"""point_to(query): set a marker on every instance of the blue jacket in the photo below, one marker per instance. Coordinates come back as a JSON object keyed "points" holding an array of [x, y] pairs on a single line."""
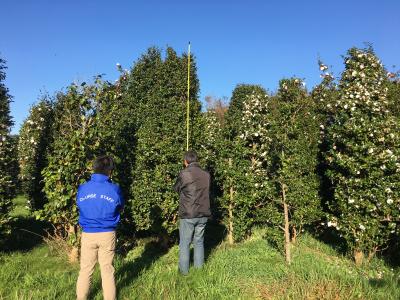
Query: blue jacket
{"points": [[99, 202]]}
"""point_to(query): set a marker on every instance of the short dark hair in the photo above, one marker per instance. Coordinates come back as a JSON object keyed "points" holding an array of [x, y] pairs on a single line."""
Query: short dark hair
{"points": [[190, 156], [103, 164]]}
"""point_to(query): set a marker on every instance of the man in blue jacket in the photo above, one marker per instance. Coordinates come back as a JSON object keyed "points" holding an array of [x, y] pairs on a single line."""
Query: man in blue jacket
{"points": [[100, 203]]}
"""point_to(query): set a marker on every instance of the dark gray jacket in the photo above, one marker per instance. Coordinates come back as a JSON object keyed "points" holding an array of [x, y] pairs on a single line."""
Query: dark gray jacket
{"points": [[193, 186]]}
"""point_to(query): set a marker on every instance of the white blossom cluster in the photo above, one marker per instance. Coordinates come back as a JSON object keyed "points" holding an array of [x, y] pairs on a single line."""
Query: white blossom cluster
{"points": [[30, 135], [254, 133], [364, 156], [212, 133], [362, 84]]}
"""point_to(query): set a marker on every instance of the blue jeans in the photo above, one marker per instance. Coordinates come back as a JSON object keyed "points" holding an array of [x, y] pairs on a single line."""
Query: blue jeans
{"points": [[186, 229]]}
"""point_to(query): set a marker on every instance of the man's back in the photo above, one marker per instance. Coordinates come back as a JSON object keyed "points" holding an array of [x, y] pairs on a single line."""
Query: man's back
{"points": [[193, 186], [99, 202]]}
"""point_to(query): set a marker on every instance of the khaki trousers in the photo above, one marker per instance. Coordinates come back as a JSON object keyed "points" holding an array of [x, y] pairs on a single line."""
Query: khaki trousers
{"points": [[95, 247]]}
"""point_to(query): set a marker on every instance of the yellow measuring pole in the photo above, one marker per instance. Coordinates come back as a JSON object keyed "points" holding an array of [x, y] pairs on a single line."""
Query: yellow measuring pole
{"points": [[188, 101]]}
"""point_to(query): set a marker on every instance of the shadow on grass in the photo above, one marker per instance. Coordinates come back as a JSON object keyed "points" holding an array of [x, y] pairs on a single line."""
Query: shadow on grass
{"points": [[130, 270], [26, 234], [215, 233], [380, 283]]}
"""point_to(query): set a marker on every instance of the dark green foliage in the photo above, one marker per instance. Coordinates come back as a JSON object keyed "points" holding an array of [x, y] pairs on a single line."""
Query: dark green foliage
{"points": [[294, 137], [34, 142], [8, 178], [160, 89], [76, 141], [240, 166], [393, 94]]}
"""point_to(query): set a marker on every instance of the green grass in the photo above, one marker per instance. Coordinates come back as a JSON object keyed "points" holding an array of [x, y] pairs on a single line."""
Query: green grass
{"points": [[20, 208], [250, 270]]}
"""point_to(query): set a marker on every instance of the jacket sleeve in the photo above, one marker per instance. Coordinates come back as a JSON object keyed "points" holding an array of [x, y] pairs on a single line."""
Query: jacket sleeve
{"points": [[78, 196], [121, 198], [179, 183]]}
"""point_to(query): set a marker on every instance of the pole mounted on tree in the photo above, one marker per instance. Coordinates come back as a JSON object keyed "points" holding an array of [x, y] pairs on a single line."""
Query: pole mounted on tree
{"points": [[188, 101]]}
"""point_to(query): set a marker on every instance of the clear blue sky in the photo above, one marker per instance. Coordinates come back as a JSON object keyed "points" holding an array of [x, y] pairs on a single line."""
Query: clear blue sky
{"points": [[49, 44]]}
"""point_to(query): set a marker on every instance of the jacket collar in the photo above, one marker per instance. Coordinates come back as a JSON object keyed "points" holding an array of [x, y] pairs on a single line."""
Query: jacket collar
{"points": [[193, 164], [99, 177]]}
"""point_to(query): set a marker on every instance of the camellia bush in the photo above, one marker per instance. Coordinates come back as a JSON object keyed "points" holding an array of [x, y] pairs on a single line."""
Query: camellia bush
{"points": [[240, 167], [76, 142], [211, 126], [325, 96], [293, 154], [160, 137], [7, 155], [34, 140], [363, 157]]}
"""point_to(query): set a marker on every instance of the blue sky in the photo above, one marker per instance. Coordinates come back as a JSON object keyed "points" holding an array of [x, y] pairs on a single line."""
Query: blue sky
{"points": [[49, 44]]}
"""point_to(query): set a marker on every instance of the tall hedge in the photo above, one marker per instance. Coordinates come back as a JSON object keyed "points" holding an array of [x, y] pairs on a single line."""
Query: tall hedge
{"points": [[363, 156], [240, 145], [76, 142], [7, 151], [35, 137], [294, 134], [161, 136]]}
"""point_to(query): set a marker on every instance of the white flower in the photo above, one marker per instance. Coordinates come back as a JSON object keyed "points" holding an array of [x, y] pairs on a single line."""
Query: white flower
{"points": [[388, 190], [370, 150], [323, 67], [389, 201], [351, 201], [331, 224], [389, 152], [354, 73], [362, 227]]}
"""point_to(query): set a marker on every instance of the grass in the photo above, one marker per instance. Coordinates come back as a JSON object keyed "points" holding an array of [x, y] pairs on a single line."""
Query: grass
{"points": [[20, 208], [250, 270]]}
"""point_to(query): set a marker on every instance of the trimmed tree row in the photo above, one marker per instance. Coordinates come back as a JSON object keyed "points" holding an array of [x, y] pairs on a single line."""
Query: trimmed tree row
{"points": [[289, 161]]}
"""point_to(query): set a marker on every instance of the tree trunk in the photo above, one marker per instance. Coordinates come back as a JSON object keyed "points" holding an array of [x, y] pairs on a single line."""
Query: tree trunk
{"points": [[287, 232], [74, 252], [372, 253], [294, 235], [358, 257], [230, 210], [230, 229]]}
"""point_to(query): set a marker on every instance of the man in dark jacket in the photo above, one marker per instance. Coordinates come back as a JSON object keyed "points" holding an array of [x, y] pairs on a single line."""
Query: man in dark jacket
{"points": [[193, 186], [99, 202]]}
